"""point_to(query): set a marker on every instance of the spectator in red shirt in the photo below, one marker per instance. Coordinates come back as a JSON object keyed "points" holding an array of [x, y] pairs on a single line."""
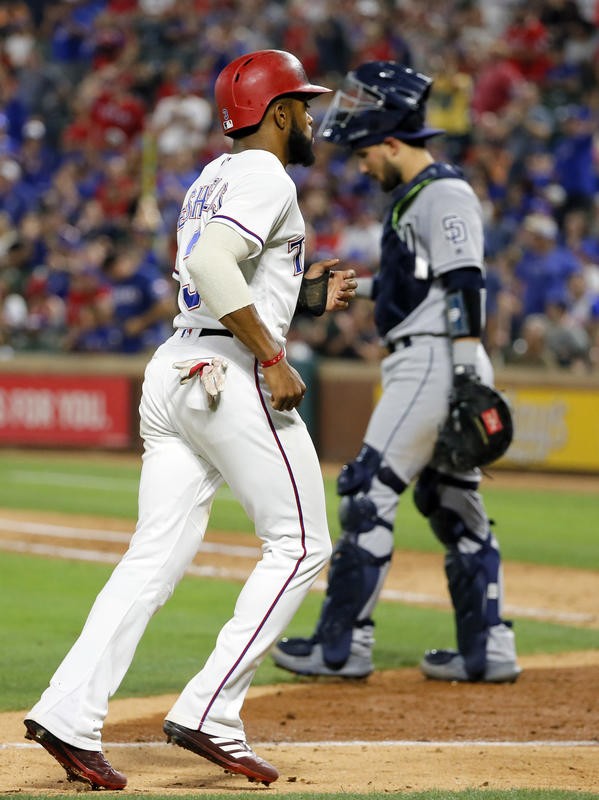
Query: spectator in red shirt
{"points": [[116, 107], [527, 42], [89, 308], [118, 191], [495, 78]]}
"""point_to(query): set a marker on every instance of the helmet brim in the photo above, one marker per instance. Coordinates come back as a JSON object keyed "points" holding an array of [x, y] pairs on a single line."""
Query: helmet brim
{"points": [[312, 90], [423, 133], [369, 139]]}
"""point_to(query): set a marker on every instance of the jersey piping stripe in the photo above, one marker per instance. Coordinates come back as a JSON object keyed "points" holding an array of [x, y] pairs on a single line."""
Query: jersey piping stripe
{"points": [[297, 564], [240, 226], [404, 203], [423, 381]]}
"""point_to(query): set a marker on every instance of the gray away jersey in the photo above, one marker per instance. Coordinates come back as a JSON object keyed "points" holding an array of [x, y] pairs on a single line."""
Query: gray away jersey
{"points": [[440, 231]]}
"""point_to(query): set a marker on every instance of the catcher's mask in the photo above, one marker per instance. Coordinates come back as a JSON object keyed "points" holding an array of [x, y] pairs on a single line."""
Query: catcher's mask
{"points": [[376, 100], [245, 88]]}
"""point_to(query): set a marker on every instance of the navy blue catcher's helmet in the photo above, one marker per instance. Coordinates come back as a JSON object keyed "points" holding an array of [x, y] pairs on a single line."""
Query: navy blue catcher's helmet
{"points": [[376, 100]]}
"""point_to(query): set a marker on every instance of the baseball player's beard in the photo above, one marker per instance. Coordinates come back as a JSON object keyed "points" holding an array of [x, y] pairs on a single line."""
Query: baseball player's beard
{"points": [[390, 178], [300, 147]]}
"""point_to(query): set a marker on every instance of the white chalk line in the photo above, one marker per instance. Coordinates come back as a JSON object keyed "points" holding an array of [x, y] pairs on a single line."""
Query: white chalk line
{"points": [[224, 573], [96, 535], [67, 479], [539, 743], [80, 481]]}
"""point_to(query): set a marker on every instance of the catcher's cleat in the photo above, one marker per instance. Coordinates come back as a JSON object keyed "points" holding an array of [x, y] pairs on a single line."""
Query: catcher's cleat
{"points": [[233, 755], [448, 665], [87, 766], [305, 657]]}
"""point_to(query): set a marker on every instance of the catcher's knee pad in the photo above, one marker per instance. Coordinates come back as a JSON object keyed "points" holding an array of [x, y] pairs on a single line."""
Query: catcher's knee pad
{"points": [[358, 474], [387, 476], [426, 491], [448, 524], [359, 514], [473, 582], [354, 576]]}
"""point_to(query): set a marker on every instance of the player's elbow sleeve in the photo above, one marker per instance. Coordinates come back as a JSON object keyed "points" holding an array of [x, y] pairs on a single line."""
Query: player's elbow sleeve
{"points": [[214, 267]]}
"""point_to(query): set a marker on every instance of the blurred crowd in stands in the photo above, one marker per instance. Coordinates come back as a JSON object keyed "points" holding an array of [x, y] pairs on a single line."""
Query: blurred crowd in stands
{"points": [[106, 117]]}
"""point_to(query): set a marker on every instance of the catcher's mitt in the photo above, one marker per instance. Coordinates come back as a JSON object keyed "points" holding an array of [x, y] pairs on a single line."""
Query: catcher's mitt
{"points": [[478, 428]]}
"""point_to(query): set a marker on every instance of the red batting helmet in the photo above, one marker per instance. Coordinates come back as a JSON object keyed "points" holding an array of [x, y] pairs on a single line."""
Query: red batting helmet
{"points": [[246, 86]]}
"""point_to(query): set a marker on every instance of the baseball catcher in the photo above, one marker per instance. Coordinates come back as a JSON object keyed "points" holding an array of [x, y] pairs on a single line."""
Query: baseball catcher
{"points": [[438, 419]]}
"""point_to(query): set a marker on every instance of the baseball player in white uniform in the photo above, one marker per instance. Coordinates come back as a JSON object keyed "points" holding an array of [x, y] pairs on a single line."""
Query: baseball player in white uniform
{"points": [[218, 405], [429, 310]]}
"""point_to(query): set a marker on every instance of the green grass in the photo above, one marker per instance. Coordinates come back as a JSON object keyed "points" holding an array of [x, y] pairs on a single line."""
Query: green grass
{"points": [[41, 619], [533, 526]]}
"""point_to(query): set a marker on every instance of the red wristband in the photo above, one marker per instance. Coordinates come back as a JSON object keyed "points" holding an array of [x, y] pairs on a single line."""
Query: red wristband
{"points": [[274, 360]]}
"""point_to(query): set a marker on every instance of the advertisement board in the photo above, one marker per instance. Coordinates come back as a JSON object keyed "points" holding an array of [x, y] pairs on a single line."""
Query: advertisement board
{"points": [[554, 428], [65, 410]]}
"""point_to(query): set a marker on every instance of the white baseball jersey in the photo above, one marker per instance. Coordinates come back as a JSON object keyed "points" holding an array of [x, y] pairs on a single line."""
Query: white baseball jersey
{"points": [[250, 192]]}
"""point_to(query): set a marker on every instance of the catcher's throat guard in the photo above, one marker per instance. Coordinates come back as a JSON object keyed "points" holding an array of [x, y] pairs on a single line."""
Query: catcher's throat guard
{"points": [[478, 430]]}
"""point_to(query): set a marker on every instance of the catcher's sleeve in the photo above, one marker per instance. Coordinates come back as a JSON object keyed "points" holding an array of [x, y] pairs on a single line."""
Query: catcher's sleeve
{"points": [[365, 288], [464, 301]]}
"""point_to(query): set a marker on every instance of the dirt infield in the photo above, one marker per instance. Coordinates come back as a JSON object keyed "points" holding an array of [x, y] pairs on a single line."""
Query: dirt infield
{"points": [[395, 731], [392, 732]]}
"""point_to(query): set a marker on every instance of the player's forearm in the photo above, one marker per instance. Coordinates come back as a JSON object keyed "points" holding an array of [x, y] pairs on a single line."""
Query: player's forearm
{"points": [[214, 267], [284, 383], [465, 315], [247, 326], [464, 354]]}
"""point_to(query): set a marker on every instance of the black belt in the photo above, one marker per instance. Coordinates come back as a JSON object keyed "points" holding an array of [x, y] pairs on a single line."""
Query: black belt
{"points": [[206, 332], [215, 332], [408, 341], [399, 344]]}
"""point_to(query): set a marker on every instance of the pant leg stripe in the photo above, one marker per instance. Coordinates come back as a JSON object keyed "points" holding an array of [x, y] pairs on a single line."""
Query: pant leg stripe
{"points": [[298, 562]]}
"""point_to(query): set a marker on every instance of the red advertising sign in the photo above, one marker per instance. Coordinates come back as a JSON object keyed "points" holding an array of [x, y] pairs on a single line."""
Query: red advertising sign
{"points": [[65, 410]]}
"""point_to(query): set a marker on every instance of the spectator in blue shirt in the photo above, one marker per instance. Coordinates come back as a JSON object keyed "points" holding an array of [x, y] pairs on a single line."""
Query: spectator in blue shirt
{"points": [[574, 158], [545, 266], [143, 300], [14, 198]]}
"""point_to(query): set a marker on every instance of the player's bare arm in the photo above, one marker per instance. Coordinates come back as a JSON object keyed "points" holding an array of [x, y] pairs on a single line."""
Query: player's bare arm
{"points": [[214, 266], [286, 387]]}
